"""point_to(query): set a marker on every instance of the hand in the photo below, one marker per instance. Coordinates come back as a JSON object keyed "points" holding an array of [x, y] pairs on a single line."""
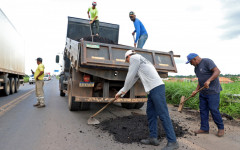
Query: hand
{"points": [[133, 33], [206, 84], [37, 78], [88, 16], [32, 71], [118, 95], [135, 45], [194, 93], [91, 22]]}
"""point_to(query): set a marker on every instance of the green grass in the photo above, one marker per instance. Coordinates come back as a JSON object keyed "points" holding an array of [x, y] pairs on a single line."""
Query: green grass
{"points": [[175, 90]]}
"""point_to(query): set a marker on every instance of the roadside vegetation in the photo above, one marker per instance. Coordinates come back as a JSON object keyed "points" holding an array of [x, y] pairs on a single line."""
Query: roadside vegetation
{"points": [[26, 78], [229, 97]]}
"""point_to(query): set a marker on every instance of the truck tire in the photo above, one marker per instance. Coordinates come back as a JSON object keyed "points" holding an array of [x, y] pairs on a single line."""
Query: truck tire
{"points": [[128, 105], [62, 93], [6, 90], [17, 84], [84, 106], [139, 105], [72, 105], [12, 85]]}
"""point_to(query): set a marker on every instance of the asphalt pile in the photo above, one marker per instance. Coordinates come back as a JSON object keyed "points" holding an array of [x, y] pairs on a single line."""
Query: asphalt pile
{"points": [[131, 129], [99, 39]]}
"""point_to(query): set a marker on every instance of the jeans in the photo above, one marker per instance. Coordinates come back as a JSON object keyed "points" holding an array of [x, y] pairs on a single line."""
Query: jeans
{"points": [[157, 107], [141, 41], [96, 23], [210, 103]]}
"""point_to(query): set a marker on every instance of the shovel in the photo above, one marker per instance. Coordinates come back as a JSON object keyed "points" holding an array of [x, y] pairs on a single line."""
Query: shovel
{"points": [[90, 28], [92, 120], [183, 100]]}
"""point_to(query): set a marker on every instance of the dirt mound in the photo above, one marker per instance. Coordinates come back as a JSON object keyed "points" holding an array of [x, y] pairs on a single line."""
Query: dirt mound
{"points": [[98, 39], [131, 129]]}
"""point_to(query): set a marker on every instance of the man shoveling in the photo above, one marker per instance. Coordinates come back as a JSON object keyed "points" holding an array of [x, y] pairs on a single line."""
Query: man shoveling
{"points": [[140, 67]]}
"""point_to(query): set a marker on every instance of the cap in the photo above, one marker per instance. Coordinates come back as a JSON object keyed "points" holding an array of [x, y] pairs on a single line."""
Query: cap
{"points": [[129, 52], [131, 13], [39, 59], [94, 3], [190, 57]]}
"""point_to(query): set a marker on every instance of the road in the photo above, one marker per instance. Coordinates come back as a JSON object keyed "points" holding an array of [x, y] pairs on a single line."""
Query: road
{"points": [[24, 127]]}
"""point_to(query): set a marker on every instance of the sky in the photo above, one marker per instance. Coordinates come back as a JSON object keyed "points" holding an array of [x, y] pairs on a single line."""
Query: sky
{"points": [[209, 28]]}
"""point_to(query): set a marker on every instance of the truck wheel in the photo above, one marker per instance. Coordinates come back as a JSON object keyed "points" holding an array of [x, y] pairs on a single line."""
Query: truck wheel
{"points": [[12, 85], [139, 105], [17, 85], [62, 93], [128, 105], [84, 106], [72, 105], [6, 87]]}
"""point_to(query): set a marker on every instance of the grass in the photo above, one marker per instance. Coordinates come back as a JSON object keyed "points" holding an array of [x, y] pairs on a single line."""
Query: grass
{"points": [[228, 104], [26, 79]]}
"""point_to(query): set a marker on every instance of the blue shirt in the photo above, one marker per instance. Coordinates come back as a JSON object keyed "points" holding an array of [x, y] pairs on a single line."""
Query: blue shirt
{"points": [[139, 29], [204, 71]]}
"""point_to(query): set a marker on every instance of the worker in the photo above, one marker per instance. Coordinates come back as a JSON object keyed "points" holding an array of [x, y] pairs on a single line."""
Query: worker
{"points": [[140, 67], [94, 18], [141, 32], [38, 76], [207, 73]]}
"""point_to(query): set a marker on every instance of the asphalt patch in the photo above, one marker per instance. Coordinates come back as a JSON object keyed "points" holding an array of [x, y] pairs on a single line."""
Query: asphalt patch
{"points": [[131, 129]]}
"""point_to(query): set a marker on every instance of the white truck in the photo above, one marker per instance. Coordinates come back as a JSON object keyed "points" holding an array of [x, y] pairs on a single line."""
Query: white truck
{"points": [[12, 57]]}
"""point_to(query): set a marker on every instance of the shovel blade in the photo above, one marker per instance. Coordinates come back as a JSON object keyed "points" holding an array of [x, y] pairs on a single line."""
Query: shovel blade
{"points": [[92, 120]]}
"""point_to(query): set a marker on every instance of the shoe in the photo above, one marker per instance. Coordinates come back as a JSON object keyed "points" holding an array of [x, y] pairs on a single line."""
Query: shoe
{"points": [[171, 146], [150, 141], [35, 105], [40, 106], [201, 132], [220, 133]]}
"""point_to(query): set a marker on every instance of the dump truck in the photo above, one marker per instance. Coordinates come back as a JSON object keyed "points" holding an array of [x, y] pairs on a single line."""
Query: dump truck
{"points": [[12, 60], [93, 72]]}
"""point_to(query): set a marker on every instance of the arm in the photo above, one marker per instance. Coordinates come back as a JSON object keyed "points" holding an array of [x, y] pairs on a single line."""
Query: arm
{"points": [[39, 74], [216, 73], [137, 30], [131, 78], [88, 13]]}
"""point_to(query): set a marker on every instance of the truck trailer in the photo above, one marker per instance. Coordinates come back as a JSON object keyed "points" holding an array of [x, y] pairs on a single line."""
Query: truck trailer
{"points": [[93, 72], [12, 60]]}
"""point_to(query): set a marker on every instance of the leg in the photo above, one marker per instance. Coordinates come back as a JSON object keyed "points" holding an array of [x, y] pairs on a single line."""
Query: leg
{"points": [[213, 103], [37, 85], [142, 41], [160, 104], [97, 26], [41, 93], [152, 118], [204, 112]]}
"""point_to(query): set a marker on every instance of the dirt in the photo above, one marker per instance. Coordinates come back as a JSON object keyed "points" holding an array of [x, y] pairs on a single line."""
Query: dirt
{"points": [[133, 128], [99, 39]]}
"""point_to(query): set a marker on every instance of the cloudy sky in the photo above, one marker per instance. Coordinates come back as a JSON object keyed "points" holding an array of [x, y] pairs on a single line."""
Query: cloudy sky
{"points": [[207, 27]]}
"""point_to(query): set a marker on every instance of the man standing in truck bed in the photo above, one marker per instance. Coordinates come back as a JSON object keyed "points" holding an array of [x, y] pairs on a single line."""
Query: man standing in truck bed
{"points": [[94, 18], [140, 67], [38, 75], [142, 34]]}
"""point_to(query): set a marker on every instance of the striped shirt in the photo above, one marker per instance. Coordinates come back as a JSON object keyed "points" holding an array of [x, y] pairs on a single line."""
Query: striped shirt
{"points": [[140, 67]]}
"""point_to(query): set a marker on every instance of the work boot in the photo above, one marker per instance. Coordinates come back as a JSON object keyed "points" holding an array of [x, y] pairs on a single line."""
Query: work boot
{"points": [[40, 106], [220, 132], [150, 141], [201, 132], [35, 105], [171, 146]]}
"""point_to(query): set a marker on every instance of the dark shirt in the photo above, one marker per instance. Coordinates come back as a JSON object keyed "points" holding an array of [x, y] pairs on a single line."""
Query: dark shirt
{"points": [[204, 71]]}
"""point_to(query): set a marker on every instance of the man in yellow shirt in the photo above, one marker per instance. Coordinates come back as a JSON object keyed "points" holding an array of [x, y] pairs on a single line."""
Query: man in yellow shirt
{"points": [[38, 75], [94, 17]]}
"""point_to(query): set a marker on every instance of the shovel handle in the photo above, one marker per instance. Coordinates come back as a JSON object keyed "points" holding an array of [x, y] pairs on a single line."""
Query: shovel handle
{"points": [[193, 95], [103, 108]]}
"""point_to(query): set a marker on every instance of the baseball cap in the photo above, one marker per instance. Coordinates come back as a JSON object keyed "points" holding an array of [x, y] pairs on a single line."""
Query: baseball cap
{"points": [[131, 13], [129, 52], [39, 59], [190, 57], [94, 3]]}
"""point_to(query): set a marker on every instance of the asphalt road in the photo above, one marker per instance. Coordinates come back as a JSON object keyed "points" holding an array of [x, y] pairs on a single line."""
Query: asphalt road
{"points": [[24, 127]]}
